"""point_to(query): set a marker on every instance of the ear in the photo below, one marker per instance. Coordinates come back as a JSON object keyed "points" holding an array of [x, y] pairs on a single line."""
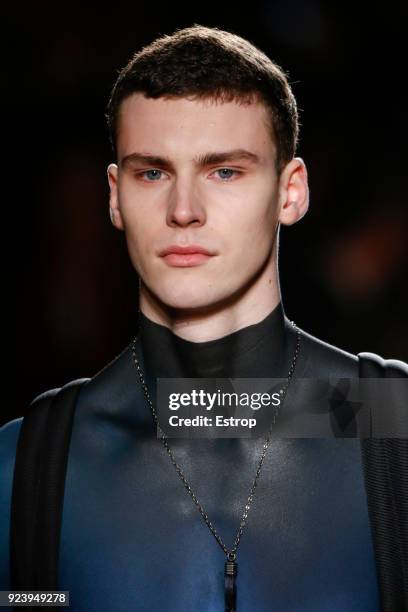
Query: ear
{"points": [[293, 192], [114, 210]]}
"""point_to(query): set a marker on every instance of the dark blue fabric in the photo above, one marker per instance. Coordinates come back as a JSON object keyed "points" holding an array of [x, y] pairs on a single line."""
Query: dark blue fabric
{"points": [[132, 539]]}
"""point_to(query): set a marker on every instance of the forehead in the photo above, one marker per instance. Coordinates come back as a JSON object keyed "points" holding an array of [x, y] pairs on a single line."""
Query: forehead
{"points": [[183, 123]]}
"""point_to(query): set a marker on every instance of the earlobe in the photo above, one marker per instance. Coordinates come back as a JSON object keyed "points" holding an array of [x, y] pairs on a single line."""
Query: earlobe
{"points": [[293, 211], [116, 218]]}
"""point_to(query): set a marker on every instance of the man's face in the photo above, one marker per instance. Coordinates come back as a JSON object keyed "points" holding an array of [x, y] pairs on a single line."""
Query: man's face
{"points": [[228, 206]]}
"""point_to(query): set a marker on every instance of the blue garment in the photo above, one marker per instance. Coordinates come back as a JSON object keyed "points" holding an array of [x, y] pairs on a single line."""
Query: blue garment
{"points": [[132, 538]]}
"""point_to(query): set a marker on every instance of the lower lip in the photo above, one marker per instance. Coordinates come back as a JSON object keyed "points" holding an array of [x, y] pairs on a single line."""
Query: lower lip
{"points": [[183, 261]]}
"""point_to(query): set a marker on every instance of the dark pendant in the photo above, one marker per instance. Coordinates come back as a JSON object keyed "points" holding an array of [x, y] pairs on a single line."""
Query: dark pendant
{"points": [[231, 569]]}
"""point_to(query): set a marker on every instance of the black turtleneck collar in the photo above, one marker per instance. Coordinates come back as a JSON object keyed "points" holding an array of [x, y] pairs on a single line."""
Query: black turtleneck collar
{"points": [[259, 350]]}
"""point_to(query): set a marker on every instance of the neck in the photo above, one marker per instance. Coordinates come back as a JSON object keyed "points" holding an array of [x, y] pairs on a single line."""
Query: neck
{"points": [[214, 321]]}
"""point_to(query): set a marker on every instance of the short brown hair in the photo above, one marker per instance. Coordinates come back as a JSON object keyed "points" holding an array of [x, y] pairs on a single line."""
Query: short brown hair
{"points": [[206, 62]]}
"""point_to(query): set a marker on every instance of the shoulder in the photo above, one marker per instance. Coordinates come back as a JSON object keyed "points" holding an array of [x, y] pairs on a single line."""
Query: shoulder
{"points": [[320, 357], [375, 365], [111, 388], [105, 388], [10, 432]]}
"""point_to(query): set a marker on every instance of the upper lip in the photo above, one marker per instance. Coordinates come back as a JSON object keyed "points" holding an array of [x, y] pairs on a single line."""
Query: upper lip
{"points": [[192, 248]]}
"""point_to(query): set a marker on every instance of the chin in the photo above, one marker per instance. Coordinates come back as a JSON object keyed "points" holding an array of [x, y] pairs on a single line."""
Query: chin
{"points": [[185, 300], [203, 293], [185, 296]]}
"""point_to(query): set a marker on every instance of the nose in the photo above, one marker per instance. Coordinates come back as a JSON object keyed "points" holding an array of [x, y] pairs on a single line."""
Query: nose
{"points": [[184, 207]]}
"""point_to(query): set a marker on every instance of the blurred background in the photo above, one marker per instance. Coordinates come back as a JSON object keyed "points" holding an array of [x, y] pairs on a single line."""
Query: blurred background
{"points": [[343, 267]]}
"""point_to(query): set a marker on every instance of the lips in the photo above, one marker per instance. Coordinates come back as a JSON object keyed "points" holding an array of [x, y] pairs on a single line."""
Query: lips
{"points": [[186, 256], [185, 250]]}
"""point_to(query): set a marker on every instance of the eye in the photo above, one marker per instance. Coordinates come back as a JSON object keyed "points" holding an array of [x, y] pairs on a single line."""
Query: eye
{"points": [[228, 170], [154, 170]]}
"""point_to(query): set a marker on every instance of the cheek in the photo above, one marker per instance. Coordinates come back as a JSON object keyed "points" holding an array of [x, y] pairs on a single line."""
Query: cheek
{"points": [[140, 238], [254, 231], [139, 223]]}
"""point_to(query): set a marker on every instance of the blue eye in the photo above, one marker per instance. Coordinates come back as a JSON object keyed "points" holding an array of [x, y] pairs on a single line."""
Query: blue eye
{"points": [[228, 170], [154, 170]]}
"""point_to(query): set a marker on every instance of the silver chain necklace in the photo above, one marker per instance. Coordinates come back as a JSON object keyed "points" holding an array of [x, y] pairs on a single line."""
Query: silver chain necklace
{"points": [[231, 567]]}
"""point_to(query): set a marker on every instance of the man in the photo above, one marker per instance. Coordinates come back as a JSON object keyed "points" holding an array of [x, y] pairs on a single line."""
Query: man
{"points": [[204, 128]]}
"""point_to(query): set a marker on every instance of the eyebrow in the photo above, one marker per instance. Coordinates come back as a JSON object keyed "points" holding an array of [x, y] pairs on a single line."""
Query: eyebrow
{"points": [[202, 160]]}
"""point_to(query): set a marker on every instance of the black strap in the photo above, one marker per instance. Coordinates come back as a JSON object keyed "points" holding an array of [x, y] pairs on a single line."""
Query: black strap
{"points": [[385, 466], [25, 492], [38, 488]]}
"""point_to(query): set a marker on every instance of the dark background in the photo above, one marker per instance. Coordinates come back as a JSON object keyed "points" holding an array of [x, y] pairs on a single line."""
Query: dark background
{"points": [[66, 273]]}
